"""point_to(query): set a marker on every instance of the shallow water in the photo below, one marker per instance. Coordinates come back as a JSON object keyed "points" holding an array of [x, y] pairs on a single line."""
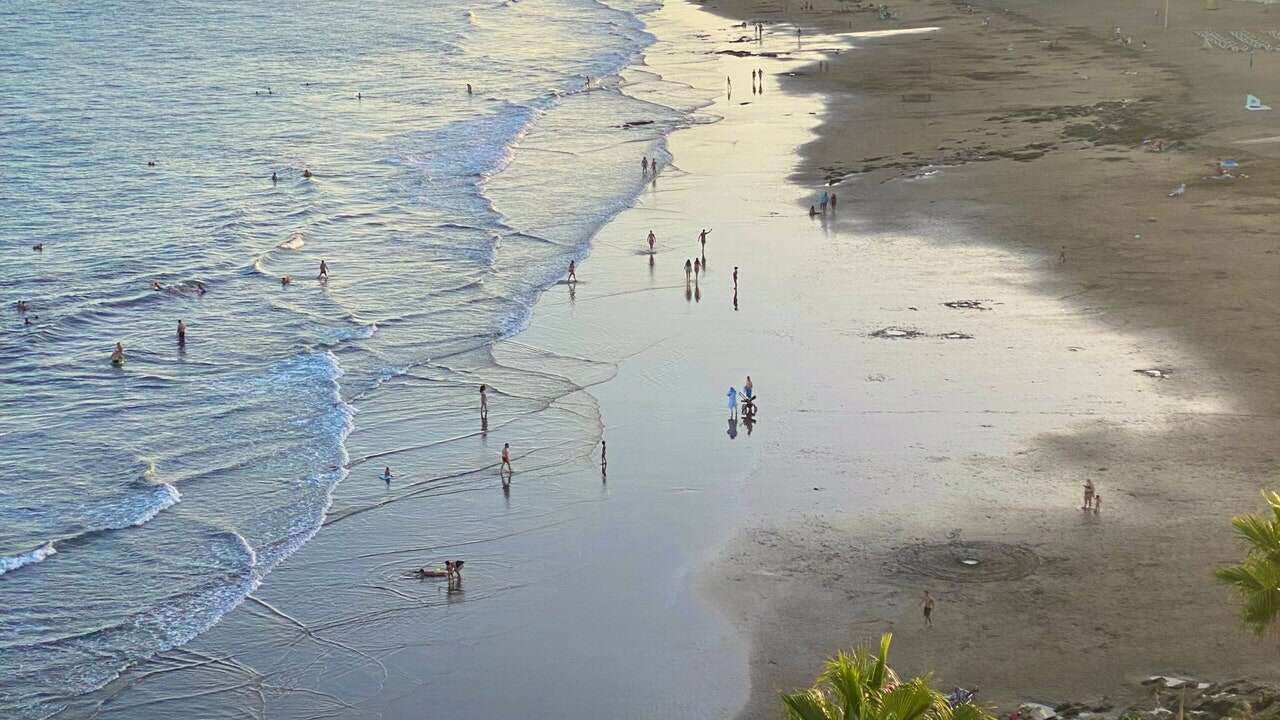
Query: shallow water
{"points": [[141, 503]]}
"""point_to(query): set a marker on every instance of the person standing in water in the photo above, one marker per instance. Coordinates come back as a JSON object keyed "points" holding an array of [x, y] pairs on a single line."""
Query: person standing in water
{"points": [[324, 271], [702, 238], [688, 271], [386, 474], [468, 88], [506, 460], [652, 239], [697, 267], [117, 355], [274, 178], [927, 608], [573, 274], [484, 402], [182, 333]]}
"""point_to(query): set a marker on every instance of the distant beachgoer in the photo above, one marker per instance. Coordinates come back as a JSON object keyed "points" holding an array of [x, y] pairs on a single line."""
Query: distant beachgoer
{"points": [[573, 274], [285, 280], [200, 288], [604, 457], [748, 389], [506, 458], [652, 239], [825, 199], [735, 284], [733, 401], [386, 474], [155, 285], [927, 606], [182, 332], [468, 88], [425, 573], [38, 247], [455, 579], [813, 212], [644, 165], [484, 402], [697, 266], [702, 237], [22, 306], [306, 173], [688, 270], [274, 178], [1097, 504], [117, 355], [359, 96], [324, 271], [1088, 495], [833, 202], [735, 300]]}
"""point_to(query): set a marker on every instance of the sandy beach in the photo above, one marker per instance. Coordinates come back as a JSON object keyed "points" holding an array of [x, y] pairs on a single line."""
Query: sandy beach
{"points": [[941, 362], [1032, 137]]}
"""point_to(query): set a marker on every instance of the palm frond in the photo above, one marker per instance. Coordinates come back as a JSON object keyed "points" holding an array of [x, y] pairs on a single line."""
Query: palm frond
{"points": [[809, 704]]}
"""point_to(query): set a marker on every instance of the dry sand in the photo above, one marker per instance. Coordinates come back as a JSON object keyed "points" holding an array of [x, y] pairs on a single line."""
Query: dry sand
{"points": [[996, 137]]}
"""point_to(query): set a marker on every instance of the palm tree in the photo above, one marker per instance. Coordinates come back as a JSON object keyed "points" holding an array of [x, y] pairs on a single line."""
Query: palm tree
{"points": [[1257, 579], [861, 686]]}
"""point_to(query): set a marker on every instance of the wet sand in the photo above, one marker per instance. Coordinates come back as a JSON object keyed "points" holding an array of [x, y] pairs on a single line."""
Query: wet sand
{"points": [[715, 566], [973, 139]]}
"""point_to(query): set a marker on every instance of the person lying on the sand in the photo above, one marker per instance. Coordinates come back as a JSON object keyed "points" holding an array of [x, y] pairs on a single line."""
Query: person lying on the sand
{"points": [[425, 573]]}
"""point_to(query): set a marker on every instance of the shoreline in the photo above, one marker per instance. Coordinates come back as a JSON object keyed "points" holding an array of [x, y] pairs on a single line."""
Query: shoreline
{"points": [[865, 448]]}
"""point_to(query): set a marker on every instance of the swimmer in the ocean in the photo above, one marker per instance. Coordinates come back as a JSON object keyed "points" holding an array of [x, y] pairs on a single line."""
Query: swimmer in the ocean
{"points": [[182, 332], [38, 247], [274, 179], [386, 474], [155, 285], [306, 173], [285, 280], [117, 355], [22, 306], [324, 271], [200, 288]]}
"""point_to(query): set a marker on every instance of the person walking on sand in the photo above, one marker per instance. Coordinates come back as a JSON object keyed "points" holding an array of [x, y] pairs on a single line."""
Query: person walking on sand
{"points": [[652, 239], [1097, 504], [697, 267], [573, 275], [324, 271], [688, 271], [748, 389], [484, 402], [1088, 494], [182, 332], [733, 402], [702, 238], [927, 607], [735, 281]]}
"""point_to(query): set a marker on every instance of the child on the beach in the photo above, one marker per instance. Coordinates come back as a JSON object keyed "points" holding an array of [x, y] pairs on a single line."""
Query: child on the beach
{"points": [[1097, 504]]}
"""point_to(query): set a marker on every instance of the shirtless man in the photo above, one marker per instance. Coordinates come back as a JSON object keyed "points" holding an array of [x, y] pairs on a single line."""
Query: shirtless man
{"points": [[927, 607], [652, 239], [324, 271], [484, 402], [573, 275], [506, 463]]}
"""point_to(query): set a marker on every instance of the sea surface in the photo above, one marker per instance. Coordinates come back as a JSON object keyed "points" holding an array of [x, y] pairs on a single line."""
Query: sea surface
{"points": [[139, 504]]}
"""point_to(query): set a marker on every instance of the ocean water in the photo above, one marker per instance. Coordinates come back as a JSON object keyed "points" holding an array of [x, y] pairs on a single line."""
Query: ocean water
{"points": [[139, 504]]}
